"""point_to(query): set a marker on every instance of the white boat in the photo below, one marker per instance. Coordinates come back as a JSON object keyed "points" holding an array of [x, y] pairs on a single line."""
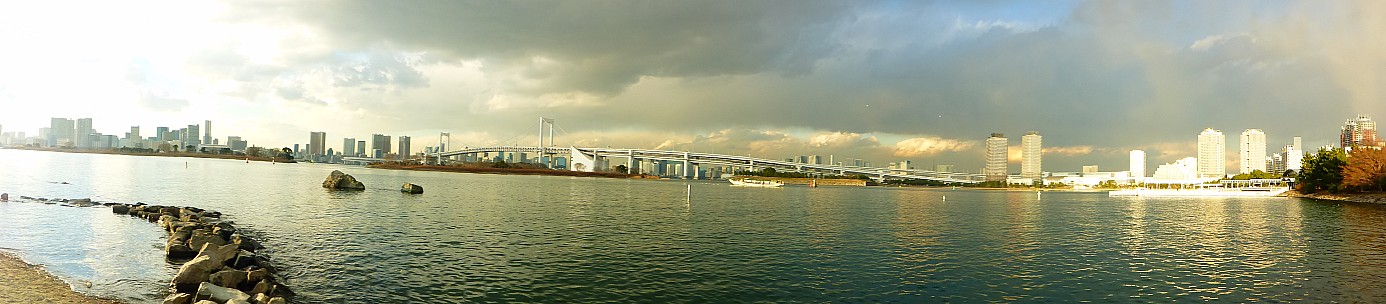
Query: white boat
{"points": [[746, 182]]}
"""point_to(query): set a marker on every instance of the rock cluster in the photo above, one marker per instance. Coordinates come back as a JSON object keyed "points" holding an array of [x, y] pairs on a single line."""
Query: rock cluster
{"points": [[411, 188], [342, 181], [223, 265]]}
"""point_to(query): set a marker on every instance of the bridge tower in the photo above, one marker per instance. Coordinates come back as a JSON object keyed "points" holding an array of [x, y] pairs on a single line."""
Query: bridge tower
{"points": [[543, 152], [444, 139]]}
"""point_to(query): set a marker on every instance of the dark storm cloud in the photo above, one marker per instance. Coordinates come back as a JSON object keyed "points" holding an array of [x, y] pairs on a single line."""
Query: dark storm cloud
{"points": [[1107, 76]]}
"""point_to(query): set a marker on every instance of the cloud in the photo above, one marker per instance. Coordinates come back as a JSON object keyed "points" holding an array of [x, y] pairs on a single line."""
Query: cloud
{"points": [[928, 146], [162, 102]]}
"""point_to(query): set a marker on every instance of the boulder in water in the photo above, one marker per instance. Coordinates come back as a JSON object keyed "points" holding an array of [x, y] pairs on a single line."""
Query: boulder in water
{"points": [[120, 209], [178, 298], [228, 278], [221, 294], [195, 272], [411, 189], [342, 181]]}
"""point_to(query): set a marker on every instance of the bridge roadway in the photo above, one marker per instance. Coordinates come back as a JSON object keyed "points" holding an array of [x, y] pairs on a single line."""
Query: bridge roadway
{"points": [[695, 158]]}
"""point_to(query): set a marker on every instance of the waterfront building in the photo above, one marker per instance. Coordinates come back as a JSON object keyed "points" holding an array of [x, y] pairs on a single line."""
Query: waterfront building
{"points": [[1030, 156], [1212, 154], [815, 159], [83, 136], [1183, 171], [943, 168], [361, 148], [1090, 169], [1252, 151], [236, 143], [348, 146], [997, 154], [317, 143], [380, 142], [1294, 158], [191, 137], [404, 149], [1357, 132], [207, 132], [161, 134], [1138, 164], [60, 130]]}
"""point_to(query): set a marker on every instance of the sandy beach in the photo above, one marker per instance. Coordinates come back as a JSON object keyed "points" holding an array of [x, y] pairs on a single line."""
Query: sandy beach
{"points": [[24, 283]]}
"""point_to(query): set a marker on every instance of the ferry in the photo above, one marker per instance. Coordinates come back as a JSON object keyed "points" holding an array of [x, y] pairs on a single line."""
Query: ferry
{"points": [[745, 182]]}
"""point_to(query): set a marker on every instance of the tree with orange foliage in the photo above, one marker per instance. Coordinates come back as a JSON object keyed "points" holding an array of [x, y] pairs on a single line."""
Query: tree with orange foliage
{"points": [[1365, 169]]}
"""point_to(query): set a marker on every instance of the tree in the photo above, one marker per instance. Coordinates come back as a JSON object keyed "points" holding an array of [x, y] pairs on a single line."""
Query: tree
{"points": [[286, 153], [165, 147], [1365, 170], [252, 151], [1322, 171], [622, 169]]}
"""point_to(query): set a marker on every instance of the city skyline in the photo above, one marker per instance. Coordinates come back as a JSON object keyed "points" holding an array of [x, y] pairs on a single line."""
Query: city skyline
{"points": [[881, 81]]}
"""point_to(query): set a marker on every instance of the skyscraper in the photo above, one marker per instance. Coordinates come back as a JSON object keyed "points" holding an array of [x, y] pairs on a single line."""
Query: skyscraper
{"points": [[995, 169], [1360, 131], [404, 150], [1138, 164], [348, 146], [60, 132], [162, 134], [1253, 151], [380, 142], [1030, 155], [207, 132], [83, 137], [191, 138], [317, 143], [1212, 154], [361, 148]]}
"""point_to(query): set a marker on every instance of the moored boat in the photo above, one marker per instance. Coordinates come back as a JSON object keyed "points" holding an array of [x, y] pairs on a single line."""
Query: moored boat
{"points": [[746, 182]]}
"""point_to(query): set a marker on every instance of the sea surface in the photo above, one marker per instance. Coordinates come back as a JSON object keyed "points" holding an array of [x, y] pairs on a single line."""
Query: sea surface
{"points": [[510, 238]]}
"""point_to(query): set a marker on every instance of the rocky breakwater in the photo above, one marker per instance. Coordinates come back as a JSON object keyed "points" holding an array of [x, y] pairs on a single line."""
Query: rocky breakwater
{"points": [[220, 264]]}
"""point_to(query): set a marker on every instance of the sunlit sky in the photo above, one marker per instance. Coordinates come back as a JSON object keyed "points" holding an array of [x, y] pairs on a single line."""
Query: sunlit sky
{"points": [[884, 81]]}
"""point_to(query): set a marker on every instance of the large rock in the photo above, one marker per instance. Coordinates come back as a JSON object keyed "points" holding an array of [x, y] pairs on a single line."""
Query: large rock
{"points": [[195, 272], [219, 253], [204, 236], [245, 242], [276, 300], [206, 302], [120, 209], [177, 249], [228, 278], [179, 298], [342, 181], [411, 188], [220, 294]]}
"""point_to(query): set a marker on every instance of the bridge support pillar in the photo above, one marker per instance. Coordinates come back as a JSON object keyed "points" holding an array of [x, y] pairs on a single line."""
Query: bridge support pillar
{"points": [[685, 165], [630, 162]]}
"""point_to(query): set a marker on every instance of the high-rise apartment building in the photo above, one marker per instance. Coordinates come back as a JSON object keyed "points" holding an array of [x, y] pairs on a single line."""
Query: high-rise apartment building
{"points": [[317, 143], [191, 138], [207, 132], [1030, 156], [404, 149], [60, 132], [348, 146], [1357, 132], [1252, 151], [1212, 154], [380, 142], [361, 148], [997, 155], [82, 139], [162, 134], [1138, 164]]}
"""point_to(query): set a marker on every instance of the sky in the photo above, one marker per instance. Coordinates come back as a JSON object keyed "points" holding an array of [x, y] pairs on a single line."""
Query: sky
{"points": [[884, 81]]}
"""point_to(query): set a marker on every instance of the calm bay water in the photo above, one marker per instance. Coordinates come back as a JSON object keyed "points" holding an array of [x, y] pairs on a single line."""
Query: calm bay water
{"points": [[499, 238]]}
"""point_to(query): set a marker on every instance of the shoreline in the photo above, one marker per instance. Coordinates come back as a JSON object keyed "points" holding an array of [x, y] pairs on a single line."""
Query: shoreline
{"points": [[216, 261], [1369, 197], [29, 283], [505, 171], [168, 154]]}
